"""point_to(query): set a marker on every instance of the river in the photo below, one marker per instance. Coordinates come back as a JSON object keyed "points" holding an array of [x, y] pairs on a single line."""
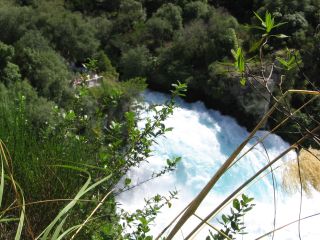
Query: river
{"points": [[204, 139]]}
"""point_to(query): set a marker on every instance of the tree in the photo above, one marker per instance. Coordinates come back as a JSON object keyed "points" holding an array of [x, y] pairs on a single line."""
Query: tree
{"points": [[158, 31], [9, 72], [93, 6], [130, 13], [6, 54], [135, 62], [104, 64], [221, 31], [68, 32], [16, 21], [42, 66], [172, 13], [194, 10], [103, 28], [193, 49]]}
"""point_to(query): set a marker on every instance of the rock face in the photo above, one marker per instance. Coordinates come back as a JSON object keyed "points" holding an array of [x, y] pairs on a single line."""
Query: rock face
{"points": [[255, 97], [219, 88], [245, 103]]}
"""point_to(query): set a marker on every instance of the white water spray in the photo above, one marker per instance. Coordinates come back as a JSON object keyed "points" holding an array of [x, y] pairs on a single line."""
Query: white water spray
{"points": [[204, 139]]}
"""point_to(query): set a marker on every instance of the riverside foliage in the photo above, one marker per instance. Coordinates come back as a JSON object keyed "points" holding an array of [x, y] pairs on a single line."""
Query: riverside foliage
{"points": [[162, 41], [77, 156], [63, 141]]}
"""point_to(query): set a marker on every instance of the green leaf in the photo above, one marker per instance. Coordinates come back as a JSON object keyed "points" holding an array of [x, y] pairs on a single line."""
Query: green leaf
{"points": [[241, 64], [130, 116], [257, 27], [179, 89], [280, 36], [236, 204], [269, 22], [247, 209], [239, 59], [279, 24], [169, 129], [143, 221], [157, 198], [234, 54], [70, 115], [243, 81], [245, 198], [127, 181], [257, 15], [250, 200], [282, 61], [234, 226], [224, 219], [103, 156], [256, 45]]}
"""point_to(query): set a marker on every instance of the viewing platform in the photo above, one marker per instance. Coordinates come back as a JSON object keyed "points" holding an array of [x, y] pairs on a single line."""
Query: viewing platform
{"points": [[88, 80]]}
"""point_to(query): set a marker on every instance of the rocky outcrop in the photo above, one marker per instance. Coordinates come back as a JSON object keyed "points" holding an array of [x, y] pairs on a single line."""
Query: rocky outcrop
{"points": [[255, 97], [245, 103]]}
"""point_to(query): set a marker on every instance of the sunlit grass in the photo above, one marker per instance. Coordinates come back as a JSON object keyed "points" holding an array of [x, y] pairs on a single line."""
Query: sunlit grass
{"points": [[309, 178]]}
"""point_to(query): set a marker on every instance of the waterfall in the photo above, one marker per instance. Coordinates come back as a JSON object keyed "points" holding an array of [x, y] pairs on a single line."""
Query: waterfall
{"points": [[204, 139]]}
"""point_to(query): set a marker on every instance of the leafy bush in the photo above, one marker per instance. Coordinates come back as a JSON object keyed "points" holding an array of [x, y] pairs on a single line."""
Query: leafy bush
{"points": [[233, 224], [194, 10], [135, 62], [42, 66], [172, 13]]}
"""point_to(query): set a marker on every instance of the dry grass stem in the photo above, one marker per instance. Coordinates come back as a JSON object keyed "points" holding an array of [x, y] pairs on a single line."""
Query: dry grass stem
{"points": [[309, 168]]}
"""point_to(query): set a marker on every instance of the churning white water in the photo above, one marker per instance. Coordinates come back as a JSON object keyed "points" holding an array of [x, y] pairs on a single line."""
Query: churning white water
{"points": [[204, 139]]}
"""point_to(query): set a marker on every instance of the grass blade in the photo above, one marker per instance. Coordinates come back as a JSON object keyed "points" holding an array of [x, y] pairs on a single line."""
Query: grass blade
{"points": [[90, 216], [67, 208], [21, 221], [68, 231], [1, 182], [6, 220], [84, 189], [58, 229]]}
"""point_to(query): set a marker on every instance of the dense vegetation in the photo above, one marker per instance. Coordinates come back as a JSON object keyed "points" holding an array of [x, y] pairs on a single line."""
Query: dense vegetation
{"points": [[49, 123], [162, 41]]}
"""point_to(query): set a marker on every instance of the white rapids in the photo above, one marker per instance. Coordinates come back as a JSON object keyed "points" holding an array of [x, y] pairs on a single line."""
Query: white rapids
{"points": [[204, 139]]}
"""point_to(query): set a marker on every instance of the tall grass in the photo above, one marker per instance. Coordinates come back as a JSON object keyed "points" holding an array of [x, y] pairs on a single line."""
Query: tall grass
{"points": [[67, 161], [17, 191], [308, 174], [55, 229], [44, 170]]}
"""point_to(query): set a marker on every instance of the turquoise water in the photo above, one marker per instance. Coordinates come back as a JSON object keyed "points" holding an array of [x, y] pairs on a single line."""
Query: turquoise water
{"points": [[204, 139]]}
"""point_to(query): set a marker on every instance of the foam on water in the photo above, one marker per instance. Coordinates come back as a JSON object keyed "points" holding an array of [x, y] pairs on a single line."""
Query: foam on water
{"points": [[204, 139]]}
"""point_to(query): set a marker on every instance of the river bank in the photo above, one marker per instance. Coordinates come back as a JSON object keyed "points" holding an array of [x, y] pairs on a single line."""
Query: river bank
{"points": [[245, 104]]}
